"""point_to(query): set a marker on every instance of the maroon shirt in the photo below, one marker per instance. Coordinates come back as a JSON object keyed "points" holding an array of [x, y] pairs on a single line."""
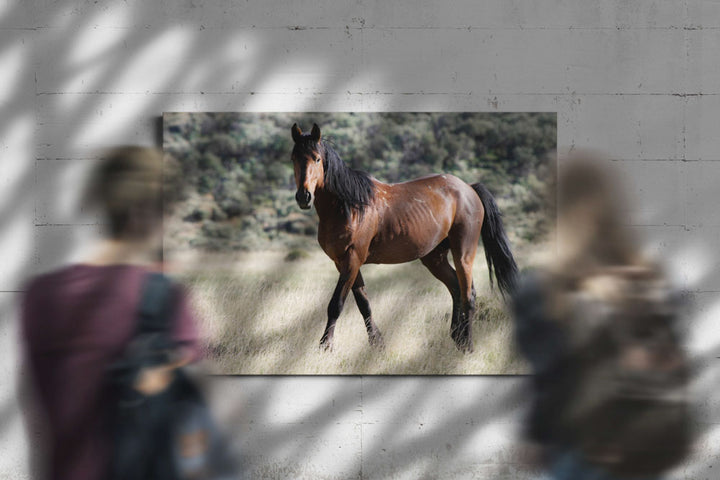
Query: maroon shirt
{"points": [[75, 323]]}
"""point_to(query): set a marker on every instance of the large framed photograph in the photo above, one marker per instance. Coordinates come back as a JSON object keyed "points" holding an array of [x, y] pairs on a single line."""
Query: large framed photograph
{"points": [[358, 243]]}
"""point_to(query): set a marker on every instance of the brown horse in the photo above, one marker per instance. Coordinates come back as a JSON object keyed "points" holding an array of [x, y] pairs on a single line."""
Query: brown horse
{"points": [[363, 220]]}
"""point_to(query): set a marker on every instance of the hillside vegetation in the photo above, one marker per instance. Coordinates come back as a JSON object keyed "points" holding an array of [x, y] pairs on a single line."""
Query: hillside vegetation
{"points": [[238, 186]]}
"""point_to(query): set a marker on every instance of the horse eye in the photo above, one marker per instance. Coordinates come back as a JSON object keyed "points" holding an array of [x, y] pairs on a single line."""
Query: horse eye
{"points": [[317, 159]]}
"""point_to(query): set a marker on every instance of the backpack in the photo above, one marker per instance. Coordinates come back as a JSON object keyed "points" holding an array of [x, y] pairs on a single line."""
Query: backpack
{"points": [[170, 435], [626, 406]]}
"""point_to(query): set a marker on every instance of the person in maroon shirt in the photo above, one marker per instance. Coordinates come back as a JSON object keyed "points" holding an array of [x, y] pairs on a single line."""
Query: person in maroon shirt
{"points": [[77, 321]]}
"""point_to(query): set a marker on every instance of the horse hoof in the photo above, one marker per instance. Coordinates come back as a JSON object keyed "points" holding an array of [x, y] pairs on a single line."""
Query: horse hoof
{"points": [[325, 346], [376, 341], [463, 344]]}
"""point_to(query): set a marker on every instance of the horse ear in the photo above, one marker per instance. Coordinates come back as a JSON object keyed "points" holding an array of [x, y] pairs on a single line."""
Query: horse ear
{"points": [[315, 134], [296, 133]]}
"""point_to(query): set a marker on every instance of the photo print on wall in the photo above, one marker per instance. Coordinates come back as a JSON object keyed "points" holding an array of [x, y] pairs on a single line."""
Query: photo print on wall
{"points": [[326, 243]]}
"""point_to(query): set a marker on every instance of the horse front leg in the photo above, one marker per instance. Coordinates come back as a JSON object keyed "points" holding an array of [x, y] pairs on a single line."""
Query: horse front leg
{"points": [[361, 299], [348, 273]]}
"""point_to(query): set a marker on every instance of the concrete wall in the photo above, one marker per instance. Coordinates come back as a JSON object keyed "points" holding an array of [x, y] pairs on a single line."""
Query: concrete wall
{"points": [[637, 79]]}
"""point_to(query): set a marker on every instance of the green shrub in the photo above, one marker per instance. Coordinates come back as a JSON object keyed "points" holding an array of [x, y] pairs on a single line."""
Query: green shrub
{"points": [[296, 254]]}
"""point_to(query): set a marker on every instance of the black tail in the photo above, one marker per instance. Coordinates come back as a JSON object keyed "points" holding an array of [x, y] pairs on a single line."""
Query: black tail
{"points": [[497, 247]]}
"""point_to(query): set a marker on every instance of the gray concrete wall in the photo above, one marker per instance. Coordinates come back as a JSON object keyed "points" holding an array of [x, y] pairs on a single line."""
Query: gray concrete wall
{"points": [[637, 79]]}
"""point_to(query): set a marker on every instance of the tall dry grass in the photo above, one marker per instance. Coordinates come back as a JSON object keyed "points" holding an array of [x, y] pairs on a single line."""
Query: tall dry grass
{"points": [[261, 313]]}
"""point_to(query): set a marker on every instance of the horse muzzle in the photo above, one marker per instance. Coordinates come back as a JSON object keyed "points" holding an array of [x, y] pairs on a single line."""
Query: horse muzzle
{"points": [[304, 199]]}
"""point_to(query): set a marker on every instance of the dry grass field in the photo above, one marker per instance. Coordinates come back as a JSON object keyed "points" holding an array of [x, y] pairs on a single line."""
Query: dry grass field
{"points": [[263, 313]]}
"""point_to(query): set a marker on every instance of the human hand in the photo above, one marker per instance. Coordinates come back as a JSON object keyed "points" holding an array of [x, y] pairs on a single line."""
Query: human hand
{"points": [[153, 380]]}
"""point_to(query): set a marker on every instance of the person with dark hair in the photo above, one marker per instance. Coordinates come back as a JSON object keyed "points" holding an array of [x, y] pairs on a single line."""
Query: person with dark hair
{"points": [[78, 320]]}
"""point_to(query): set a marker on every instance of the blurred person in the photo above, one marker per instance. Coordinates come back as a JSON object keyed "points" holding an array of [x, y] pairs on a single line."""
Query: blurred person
{"points": [[78, 320], [597, 325]]}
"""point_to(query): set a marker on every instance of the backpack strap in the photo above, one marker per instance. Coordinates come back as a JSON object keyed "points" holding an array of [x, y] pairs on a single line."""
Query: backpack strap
{"points": [[155, 308]]}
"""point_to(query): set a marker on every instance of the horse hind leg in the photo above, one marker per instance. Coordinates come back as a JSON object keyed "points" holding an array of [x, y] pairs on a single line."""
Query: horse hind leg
{"points": [[437, 263], [463, 250], [361, 299]]}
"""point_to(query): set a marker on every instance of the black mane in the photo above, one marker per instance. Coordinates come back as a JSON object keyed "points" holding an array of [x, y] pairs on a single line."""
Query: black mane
{"points": [[353, 188]]}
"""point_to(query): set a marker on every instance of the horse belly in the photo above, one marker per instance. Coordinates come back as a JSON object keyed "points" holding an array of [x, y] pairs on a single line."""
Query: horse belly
{"points": [[410, 235], [398, 251]]}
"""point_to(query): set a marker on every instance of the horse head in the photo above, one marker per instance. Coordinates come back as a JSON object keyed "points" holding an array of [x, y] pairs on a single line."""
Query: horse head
{"points": [[308, 161]]}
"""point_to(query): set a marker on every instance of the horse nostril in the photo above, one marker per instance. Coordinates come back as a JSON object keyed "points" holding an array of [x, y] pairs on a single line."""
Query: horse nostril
{"points": [[303, 197]]}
